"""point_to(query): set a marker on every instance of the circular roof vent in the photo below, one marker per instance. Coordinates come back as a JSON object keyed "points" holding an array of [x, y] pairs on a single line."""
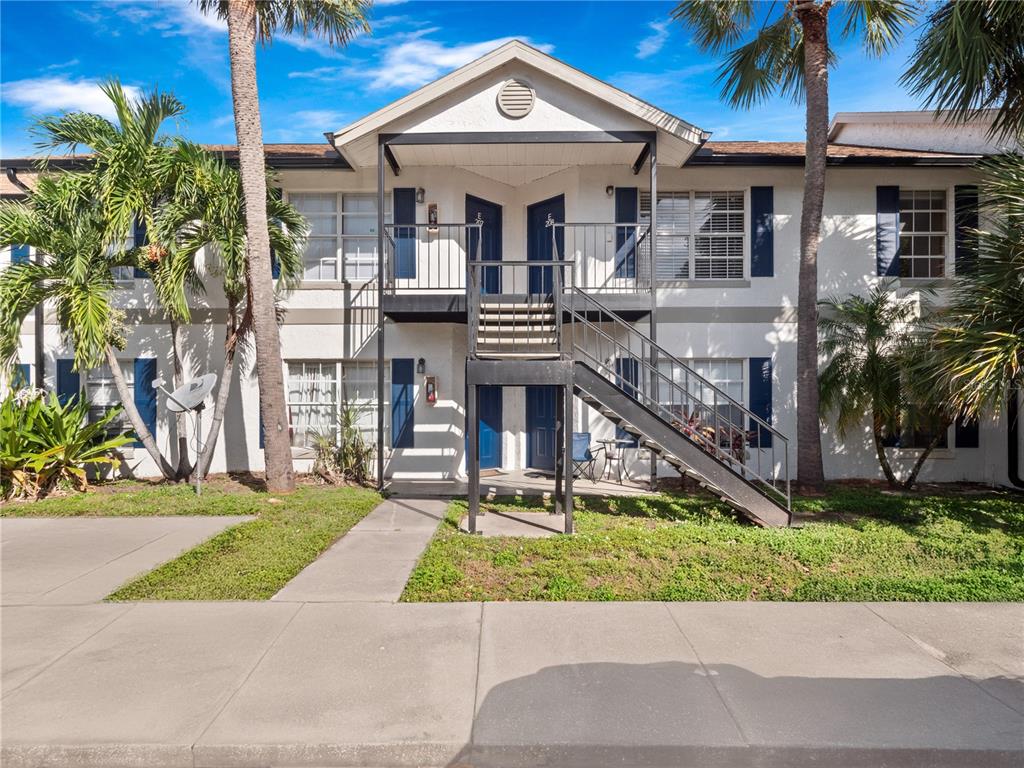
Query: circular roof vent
{"points": [[515, 99]]}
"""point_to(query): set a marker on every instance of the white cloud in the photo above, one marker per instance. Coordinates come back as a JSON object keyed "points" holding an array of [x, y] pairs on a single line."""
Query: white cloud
{"points": [[308, 125], [653, 43], [316, 74], [417, 61], [60, 94]]}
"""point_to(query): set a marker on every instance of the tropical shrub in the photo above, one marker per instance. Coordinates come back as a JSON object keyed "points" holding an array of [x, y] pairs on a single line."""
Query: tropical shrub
{"points": [[343, 453], [46, 444]]}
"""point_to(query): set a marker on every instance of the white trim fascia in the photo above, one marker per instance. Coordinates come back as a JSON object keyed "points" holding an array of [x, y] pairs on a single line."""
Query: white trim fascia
{"points": [[899, 117], [516, 50]]}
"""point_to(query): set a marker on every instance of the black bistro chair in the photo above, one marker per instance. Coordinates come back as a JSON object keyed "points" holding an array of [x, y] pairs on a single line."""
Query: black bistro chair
{"points": [[584, 457]]}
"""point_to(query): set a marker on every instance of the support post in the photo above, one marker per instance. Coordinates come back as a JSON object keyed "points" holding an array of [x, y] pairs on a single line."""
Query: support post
{"points": [[653, 236], [473, 457], [560, 464], [380, 313], [567, 421]]}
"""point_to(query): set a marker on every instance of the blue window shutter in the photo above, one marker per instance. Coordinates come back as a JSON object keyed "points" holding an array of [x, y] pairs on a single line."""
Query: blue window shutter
{"points": [[965, 199], [19, 253], [627, 374], [22, 376], [402, 402], [141, 239], [626, 212], [762, 232], [262, 433], [967, 433], [887, 231], [405, 237], [68, 382], [145, 394], [761, 397], [275, 265]]}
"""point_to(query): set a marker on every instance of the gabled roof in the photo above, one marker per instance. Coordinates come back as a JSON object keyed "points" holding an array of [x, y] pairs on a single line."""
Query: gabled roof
{"points": [[517, 51]]}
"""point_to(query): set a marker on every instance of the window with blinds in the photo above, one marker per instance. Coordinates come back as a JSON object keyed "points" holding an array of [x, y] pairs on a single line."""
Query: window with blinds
{"points": [[700, 234]]}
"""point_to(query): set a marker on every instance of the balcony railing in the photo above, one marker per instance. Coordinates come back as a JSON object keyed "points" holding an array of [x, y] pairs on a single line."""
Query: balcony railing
{"points": [[597, 258], [429, 258], [606, 258]]}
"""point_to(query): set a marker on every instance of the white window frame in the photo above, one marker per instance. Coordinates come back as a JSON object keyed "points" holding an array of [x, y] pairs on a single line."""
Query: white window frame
{"points": [[904, 259], [95, 380], [695, 365], [341, 375], [691, 234], [340, 236]]}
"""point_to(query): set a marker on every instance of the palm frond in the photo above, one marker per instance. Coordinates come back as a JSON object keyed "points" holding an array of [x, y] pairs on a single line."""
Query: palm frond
{"points": [[970, 58], [881, 23], [716, 24]]}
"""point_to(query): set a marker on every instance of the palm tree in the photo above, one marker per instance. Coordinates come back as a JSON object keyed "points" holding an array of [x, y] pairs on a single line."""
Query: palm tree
{"points": [[970, 58], [790, 55], [131, 167], [63, 219], [867, 341], [978, 339], [206, 211], [248, 21]]}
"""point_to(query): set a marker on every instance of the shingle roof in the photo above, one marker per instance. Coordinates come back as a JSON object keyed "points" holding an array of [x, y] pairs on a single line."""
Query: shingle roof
{"points": [[792, 153], [322, 155]]}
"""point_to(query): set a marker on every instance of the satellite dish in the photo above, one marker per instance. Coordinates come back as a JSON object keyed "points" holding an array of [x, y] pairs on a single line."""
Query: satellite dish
{"points": [[190, 395]]}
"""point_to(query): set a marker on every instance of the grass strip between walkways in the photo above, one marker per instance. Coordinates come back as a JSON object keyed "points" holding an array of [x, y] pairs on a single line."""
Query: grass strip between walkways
{"points": [[250, 561]]}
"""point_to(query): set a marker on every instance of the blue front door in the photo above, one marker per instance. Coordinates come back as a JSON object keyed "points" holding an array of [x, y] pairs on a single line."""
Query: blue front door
{"points": [[478, 209], [490, 427], [540, 426], [539, 246]]}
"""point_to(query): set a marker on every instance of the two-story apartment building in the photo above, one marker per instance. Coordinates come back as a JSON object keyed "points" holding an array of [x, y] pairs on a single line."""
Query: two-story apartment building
{"points": [[431, 219]]}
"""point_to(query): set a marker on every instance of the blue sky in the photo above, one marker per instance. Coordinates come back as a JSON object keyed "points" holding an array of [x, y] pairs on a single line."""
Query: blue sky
{"points": [[52, 54]]}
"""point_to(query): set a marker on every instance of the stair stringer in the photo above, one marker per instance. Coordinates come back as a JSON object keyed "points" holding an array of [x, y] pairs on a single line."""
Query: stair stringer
{"points": [[642, 422]]}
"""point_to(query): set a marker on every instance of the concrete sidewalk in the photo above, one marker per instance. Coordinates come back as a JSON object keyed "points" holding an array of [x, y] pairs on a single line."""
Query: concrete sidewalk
{"points": [[79, 560], [372, 562], [554, 684]]}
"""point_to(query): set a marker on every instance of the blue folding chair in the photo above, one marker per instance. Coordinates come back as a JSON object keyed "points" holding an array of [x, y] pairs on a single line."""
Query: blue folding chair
{"points": [[584, 458]]}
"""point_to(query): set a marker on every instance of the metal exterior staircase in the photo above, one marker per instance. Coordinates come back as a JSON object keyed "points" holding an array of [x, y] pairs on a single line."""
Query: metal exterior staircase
{"points": [[525, 327], [678, 415]]}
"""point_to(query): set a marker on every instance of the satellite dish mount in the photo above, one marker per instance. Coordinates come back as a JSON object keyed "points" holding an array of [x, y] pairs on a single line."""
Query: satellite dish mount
{"points": [[191, 396]]}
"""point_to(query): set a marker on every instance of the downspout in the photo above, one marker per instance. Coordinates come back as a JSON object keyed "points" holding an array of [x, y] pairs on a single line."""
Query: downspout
{"points": [[1013, 438], [40, 315]]}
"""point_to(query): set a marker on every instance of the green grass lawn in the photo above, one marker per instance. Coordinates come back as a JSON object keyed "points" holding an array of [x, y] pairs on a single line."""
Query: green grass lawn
{"points": [[854, 544], [250, 561]]}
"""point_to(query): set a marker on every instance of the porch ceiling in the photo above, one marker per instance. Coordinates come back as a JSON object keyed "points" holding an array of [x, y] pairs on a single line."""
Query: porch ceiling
{"points": [[515, 164]]}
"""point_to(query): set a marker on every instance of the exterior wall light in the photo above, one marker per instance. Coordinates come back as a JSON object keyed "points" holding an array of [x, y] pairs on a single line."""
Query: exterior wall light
{"points": [[421, 366], [609, 190], [421, 195]]}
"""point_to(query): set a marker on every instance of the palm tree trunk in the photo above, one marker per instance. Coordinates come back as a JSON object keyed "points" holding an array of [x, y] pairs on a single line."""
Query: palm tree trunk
{"points": [[883, 460], [128, 403], [916, 470], [814, 20], [220, 404], [269, 369], [180, 420]]}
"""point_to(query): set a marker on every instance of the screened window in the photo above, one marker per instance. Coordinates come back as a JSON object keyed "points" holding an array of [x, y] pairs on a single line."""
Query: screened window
{"points": [[320, 210], [700, 234], [318, 391], [922, 233], [102, 395], [342, 226], [359, 240]]}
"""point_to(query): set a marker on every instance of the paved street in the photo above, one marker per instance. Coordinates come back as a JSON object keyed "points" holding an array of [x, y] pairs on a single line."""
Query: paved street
{"points": [[374, 683]]}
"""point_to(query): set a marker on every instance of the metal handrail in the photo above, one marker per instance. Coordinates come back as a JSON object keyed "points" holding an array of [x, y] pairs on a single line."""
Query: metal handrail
{"points": [[444, 271], [747, 417]]}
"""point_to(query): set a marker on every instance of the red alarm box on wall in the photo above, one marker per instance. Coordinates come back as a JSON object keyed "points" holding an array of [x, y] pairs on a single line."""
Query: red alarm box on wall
{"points": [[430, 389]]}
